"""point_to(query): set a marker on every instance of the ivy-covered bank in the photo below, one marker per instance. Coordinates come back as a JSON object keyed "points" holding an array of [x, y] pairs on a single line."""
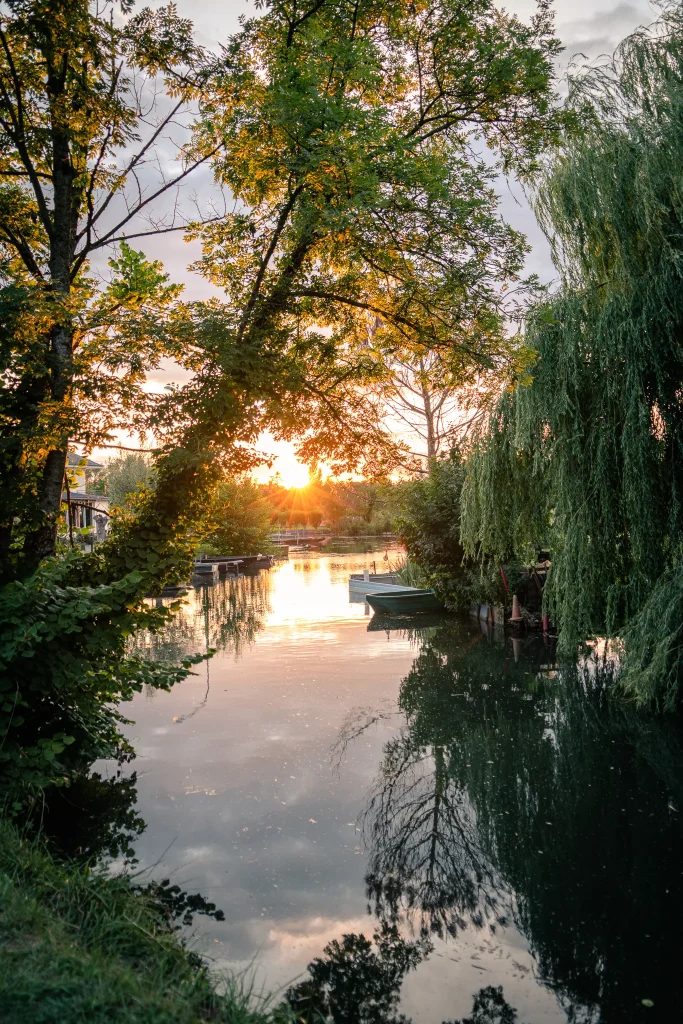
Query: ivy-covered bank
{"points": [[586, 460]]}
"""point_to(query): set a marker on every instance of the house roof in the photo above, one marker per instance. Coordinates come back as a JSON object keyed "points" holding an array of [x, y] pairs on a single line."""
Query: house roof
{"points": [[86, 496], [81, 462]]}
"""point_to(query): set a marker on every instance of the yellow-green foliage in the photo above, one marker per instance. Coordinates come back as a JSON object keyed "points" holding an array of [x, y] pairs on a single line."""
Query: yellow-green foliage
{"points": [[239, 519]]}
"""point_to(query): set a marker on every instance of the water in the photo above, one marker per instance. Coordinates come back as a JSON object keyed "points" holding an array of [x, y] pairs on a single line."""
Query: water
{"points": [[321, 777]]}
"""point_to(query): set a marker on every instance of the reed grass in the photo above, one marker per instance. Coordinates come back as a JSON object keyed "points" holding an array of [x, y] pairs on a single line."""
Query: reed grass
{"points": [[409, 573]]}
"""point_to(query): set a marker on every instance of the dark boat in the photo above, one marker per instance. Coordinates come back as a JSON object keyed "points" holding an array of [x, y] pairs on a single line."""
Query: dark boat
{"points": [[405, 602]]}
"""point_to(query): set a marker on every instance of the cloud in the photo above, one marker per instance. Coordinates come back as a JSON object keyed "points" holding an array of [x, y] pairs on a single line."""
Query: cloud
{"points": [[601, 31]]}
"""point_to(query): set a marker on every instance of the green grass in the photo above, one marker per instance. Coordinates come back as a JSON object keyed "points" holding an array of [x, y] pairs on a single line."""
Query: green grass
{"points": [[409, 573], [79, 946]]}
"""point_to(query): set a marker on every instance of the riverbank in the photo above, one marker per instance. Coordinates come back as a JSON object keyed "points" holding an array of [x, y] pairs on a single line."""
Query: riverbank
{"points": [[81, 946]]}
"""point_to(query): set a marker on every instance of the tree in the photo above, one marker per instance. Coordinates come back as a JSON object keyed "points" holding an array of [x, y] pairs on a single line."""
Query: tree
{"points": [[439, 403], [586, 458], [123, 475], [343, 131], [75, 135], [241, 519], [416, 393]]}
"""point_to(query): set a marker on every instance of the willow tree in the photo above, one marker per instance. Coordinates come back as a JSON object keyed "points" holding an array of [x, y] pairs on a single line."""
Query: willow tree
{"points": [[588, 458]]}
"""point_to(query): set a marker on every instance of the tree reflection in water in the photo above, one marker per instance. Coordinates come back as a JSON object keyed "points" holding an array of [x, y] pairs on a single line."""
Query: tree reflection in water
{"points": [[93, 818], [515, 788], [359, 982], [425, 853], [224, 616], [426, 860], [518, 785]]}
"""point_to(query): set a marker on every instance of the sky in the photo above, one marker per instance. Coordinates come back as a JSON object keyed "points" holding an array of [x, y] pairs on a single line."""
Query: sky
{"points": [[587, 28]]}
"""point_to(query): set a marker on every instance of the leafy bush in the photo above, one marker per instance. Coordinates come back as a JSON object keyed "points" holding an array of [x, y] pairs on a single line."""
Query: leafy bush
{"points": [[64, 668], [429, 526]]}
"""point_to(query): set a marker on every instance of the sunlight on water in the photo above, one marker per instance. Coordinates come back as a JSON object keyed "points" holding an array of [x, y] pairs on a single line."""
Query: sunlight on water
{"points": [[303, 593]]}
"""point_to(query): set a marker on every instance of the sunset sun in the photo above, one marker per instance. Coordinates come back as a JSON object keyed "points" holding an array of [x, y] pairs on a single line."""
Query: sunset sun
{"points": [[293, 473]]}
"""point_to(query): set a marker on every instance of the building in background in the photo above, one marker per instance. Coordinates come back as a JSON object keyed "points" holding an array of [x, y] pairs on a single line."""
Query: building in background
{"points": [[83, 502]]}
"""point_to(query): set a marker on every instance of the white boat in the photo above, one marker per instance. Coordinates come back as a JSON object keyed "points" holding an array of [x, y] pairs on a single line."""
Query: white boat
{"points": [[362, 583]]}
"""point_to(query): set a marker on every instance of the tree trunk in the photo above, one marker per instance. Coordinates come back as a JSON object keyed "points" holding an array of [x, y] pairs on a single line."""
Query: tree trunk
{"points": [[5, 543], [432, 444], [42, 541]]}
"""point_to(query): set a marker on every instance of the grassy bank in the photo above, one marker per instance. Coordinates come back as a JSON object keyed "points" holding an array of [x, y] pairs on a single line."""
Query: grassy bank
{"points": [[79, 946]]}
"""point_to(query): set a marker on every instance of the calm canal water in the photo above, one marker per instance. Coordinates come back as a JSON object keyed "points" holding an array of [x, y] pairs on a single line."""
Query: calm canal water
{"points": [[325, 775]]}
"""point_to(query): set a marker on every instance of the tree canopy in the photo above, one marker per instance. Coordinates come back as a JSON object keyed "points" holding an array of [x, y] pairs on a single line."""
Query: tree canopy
{"points": [[345, 134], [77, 131]]}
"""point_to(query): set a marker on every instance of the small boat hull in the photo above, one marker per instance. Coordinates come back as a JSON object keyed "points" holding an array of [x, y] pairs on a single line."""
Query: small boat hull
{"points": [[372, 586], [385, 622], [405, 602]]}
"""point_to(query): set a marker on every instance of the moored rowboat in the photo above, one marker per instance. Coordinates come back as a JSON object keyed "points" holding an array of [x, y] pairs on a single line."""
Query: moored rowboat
{"points": [[405, 602]]}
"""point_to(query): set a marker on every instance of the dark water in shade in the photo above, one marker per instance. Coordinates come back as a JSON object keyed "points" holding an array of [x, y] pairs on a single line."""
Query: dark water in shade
{"points": [[320, 776]]}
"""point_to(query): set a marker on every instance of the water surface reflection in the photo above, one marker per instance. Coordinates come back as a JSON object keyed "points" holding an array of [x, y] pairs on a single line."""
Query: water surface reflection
{"points": [[492, 819]]}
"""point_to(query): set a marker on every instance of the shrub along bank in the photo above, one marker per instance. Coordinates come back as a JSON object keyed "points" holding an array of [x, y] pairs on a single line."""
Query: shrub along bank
{"points": [[81, 946]]}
